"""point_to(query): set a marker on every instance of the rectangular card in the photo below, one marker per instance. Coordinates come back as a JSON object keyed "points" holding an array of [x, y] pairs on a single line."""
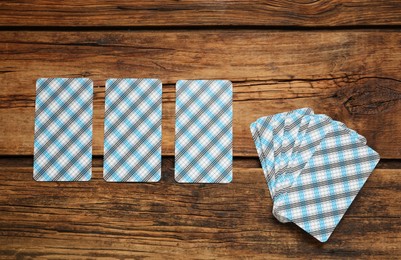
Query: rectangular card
{"points": [[262, 134], [278, 123], [320, 127], [63, 129], [329, 182], [287, 140], [203, 131], [132, 130]]}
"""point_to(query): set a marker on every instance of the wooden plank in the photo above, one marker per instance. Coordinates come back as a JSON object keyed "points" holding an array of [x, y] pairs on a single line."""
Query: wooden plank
{"points": [[353, 76], [170, 220], [177, 13]]}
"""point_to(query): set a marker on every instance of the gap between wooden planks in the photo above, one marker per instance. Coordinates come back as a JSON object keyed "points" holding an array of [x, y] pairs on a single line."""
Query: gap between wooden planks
{"points": [[353, 76], [201, 12], [99, 219]]}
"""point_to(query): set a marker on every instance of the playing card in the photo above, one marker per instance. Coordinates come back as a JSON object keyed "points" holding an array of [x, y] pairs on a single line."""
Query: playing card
{"points": [[63, 129], [284, 177], [267, 130], [328, 184], [318, 127], [287, 139], [263, 134], [203, 133], [132, 130], [264, 146]]}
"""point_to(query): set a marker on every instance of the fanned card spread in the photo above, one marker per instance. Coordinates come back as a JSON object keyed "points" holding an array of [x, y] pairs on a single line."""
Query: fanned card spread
{"points": [[203, 131], [314, 167], [63, 129]]}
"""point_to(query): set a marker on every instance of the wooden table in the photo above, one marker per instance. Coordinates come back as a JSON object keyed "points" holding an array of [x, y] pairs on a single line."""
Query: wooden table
{"points": [[340, 57]]}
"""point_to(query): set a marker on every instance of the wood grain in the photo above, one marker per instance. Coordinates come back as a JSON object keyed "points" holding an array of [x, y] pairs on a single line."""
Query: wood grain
{"points": [[199, 13], [353, 76], [280, 55], [170, 220]]}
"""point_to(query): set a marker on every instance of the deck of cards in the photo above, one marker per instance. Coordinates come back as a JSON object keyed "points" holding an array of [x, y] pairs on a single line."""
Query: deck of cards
{"points": [[314, 167]]}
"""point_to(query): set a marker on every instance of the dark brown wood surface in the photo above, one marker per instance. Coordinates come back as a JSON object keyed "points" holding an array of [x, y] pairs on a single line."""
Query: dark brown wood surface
{"points": [[351, 76], [341, 58], [164, 13], [171, 220]]}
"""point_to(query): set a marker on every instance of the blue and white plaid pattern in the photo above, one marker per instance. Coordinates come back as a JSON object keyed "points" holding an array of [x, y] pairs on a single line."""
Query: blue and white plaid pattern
{"points": [[132, 139], [262, 133], [314, 186], [63, 129], [318, 127], [203, 132], [292, 126], [268, 133], [327, 185]]}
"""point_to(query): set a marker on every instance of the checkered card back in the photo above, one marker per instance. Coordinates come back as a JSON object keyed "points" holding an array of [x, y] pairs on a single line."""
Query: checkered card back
{"points": [[318, 127], [328, 184], [291, 133], [132, 139], [203, 133], [278, 123], [63, 129], [262, 134]]}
